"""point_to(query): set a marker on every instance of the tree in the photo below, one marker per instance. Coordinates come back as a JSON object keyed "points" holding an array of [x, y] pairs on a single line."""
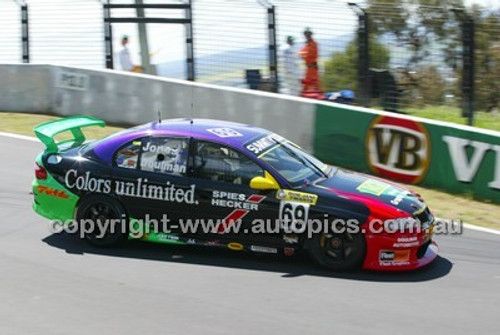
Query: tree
{"points": [[431, 86], [417, 25], [426, 28], [341, 69], [487, 79]]}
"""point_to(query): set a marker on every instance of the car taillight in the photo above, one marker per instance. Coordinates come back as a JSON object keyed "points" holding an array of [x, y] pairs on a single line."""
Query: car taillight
{"points": [[40, 172]]}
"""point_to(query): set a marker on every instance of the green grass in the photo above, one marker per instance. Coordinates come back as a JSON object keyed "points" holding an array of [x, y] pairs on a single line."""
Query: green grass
{"points": [[453, 115], [21, 123], [444, 205], [449, 206]]}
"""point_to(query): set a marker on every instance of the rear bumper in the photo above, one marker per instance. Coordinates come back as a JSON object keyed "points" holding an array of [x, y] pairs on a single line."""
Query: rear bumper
{"points": [[52, 201]]}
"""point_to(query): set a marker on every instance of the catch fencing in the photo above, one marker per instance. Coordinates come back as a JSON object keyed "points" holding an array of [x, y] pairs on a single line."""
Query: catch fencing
{"points": [[392, 57]]}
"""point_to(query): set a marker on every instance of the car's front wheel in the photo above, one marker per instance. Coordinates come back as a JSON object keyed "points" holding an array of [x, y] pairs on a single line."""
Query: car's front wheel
{"points": [[102, 221], [339, 252]]}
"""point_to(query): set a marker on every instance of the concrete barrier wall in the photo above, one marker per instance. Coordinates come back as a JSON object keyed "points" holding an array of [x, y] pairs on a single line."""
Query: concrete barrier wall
{"points": [[132, 99], [25, 88], [406, 149]]}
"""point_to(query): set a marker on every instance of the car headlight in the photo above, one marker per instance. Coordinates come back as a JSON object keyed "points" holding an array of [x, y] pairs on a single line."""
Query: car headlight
{"points": [[401, 225]]}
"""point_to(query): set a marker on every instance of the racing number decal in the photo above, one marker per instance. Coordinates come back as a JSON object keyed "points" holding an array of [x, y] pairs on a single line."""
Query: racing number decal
{"points": [[293, 216]]}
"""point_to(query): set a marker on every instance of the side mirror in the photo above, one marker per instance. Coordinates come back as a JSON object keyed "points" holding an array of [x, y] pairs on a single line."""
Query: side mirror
{"points": [[264, 183]]}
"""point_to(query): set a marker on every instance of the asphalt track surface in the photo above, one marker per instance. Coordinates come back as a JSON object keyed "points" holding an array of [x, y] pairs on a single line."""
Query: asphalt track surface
{"points": [[57, 284]]}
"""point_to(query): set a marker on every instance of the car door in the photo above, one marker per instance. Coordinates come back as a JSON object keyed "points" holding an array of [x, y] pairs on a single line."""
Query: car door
{"points": [[222, 175], [150, 180]]}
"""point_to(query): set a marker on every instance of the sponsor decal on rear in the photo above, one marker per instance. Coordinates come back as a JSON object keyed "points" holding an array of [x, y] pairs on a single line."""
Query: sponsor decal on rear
{"points": [[50, 191]]}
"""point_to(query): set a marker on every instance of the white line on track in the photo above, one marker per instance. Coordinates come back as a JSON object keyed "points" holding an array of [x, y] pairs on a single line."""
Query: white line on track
{"points": [[21, 137], [481, 229], [465, 225]]}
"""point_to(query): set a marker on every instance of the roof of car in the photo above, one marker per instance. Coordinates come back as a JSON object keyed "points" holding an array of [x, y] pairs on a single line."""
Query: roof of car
{"points": [[231, 133], [212, 129]]}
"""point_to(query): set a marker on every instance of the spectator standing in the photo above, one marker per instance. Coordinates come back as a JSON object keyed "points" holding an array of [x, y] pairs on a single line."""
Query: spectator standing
{"points": [[124, 55], [291, 67], [309, 54]]}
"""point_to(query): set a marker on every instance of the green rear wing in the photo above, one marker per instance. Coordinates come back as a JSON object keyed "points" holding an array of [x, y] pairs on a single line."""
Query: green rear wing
{"points": [[48, 130]]}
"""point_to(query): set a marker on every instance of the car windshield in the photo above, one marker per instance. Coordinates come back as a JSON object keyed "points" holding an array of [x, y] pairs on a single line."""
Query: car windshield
{"points": [[294, 164]]}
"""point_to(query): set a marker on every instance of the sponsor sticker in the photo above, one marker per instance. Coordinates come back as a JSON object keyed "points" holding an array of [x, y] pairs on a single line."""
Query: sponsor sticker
{"points": [[264, 143], [406, 242], [236, 200], [394, 256], [235, 246], [398, 149], [267, 250], [294, 196], [214, 243], [168, 237], [372, 186], [224, 132], [50, 191], [140, 188]]}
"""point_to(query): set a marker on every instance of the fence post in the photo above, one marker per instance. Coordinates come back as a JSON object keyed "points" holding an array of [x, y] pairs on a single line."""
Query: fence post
{"points": [[363, 54], [363, 58], [25, 38], [108, 37], [273, 48], [143, 38], [468, 75], [190, 43]]}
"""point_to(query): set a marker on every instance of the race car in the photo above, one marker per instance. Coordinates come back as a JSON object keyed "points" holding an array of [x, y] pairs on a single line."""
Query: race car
{"points": [[227, 185]]}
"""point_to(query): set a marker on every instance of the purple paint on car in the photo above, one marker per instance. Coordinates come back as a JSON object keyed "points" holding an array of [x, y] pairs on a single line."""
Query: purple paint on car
{"points": [[233, 134]]}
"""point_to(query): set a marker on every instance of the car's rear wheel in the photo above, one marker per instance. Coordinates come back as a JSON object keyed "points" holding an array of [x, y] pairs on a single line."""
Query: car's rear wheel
{"points": [[339, 252], [102, 221]]}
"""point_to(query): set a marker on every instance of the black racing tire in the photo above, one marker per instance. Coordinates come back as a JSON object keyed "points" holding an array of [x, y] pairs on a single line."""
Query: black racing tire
{"points": [[99, 207], [337, 252]]}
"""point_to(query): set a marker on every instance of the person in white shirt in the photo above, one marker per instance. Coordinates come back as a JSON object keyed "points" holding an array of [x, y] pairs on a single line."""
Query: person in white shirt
{"points": [[291, 67], [124, 55]]}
